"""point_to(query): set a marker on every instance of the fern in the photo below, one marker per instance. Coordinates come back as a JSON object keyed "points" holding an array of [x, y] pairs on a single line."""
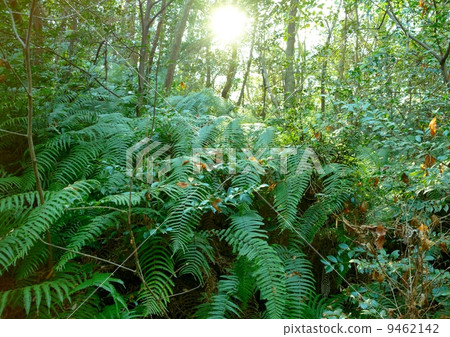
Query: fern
{"points": [[16, 244], [157, 268], [248, 239], [222, 304]]}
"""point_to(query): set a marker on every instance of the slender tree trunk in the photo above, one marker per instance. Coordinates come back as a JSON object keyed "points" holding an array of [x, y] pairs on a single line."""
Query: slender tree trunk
{"points": [[73, 39], [344, 48], [145, 26], [263, 113], [247, 71], [130, 27], [17, 17], [38, 37], [357, 32], [267, 84], [27, 53], [157, 36], [289, 82], [176, 45], [208, 64], [326, 47], [231, 72]]}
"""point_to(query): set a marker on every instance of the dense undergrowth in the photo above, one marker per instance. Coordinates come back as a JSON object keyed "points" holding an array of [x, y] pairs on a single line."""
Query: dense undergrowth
{"points": [[240, 238]]}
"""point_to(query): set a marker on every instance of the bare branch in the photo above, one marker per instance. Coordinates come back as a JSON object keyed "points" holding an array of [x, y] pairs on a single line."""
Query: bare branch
{"points": [[13, 133], [14, 25]]}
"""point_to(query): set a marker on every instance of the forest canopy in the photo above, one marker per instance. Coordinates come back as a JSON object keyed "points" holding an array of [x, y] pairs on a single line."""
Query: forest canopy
{"points": [[224, 159]]}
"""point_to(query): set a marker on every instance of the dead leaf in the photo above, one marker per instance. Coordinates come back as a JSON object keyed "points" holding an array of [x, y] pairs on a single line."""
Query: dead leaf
{"points": [[381, 232], [346, 207], [318, 135], [377, 276], [214, 204], [185, 162], [443, 247], [405, 278], [405, 178], [433, 127], [2, 78], [182, 184], [379, 242], [425, 243], [435, 221], [375, 182], [272, 187], [423, 228], [364, 207], [429, 161], [183, 85]]}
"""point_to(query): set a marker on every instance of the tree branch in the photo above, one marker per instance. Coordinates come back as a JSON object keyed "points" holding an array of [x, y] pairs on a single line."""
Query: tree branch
{"points": [[424, 45], [14, 24]]}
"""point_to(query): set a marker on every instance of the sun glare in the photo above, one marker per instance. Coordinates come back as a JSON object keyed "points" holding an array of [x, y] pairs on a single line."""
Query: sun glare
{"points": [[228, 24]]}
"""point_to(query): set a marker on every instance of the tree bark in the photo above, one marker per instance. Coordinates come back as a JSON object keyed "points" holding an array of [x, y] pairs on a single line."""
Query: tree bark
{"points": [[344, 48], [247, 71], [325, 62], [157, 36], [231, 72], [289, 82], [267, 85], [145, 26], [176, 45]]}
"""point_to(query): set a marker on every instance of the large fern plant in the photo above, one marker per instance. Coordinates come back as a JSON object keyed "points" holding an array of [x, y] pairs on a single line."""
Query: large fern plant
{"points": [[237, 228]]}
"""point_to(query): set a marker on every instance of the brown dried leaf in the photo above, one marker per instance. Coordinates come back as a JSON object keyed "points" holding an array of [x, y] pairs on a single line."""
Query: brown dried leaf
{"points": [[405, 178], [435, 221], [375, 182], [423, 228], [182, 184], [381, 232], [377, 276], [432, 126], [379, 242], [429, 161], [364, 207], [214, 204]]}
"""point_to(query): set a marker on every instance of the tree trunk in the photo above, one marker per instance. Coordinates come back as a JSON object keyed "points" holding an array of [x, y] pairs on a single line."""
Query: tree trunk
{"points": [[130, 29], [231, 72], [247, 71], [208, 64], [267, 84], [176, 45], [344, 48], [145, 26], [157, 36], [325, 62], [289, 82]]}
